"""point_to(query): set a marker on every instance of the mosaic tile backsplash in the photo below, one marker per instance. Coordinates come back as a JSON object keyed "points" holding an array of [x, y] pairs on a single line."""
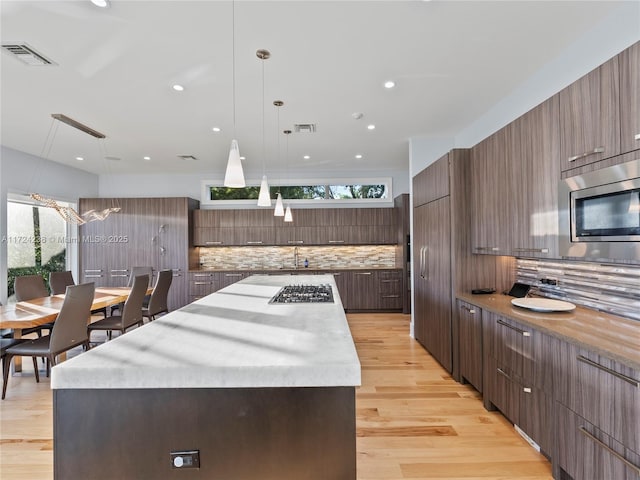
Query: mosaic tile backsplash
{"points": [[274, 258], [609, 288]]}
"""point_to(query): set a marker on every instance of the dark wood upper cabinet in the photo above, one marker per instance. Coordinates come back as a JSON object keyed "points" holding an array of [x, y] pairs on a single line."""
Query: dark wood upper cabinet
{"points": [[491, 191], [316, 226], [533, 166], [431, 183], [629, 62], [590, 117]]}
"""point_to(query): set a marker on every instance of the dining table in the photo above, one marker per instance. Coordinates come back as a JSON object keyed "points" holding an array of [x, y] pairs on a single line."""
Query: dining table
{"points": [[42, 310]]}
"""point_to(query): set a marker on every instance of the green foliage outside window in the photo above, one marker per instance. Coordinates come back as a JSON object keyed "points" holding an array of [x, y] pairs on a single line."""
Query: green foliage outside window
{"points": [[303, 192]]}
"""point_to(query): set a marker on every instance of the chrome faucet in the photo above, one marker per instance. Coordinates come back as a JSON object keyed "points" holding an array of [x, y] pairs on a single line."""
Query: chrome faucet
{"points": [[295, 258]]}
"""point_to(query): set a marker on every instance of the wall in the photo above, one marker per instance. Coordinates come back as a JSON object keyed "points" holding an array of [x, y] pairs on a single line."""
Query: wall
{"points": [[22, 173]]}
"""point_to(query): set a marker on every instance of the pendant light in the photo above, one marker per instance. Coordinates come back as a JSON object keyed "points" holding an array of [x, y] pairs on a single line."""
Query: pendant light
{"points": [[264, 197], [234, 176], [288, 216], [279, 210]]}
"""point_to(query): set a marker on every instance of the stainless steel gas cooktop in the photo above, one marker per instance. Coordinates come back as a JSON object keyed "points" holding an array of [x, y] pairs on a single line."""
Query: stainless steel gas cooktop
{"points": [[304, 294]]}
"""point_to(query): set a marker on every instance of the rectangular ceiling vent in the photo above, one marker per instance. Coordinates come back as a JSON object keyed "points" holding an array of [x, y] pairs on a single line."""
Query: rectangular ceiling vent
{"points": [[26, 54], [187, 157], [304, 128]]}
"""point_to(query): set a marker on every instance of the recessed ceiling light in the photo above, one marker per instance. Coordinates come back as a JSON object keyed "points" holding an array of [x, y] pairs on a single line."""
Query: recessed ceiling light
{"points": [[146, 158], [216, 129], [358, 156], [389, 84], [100, 3], [80, 158], [306, 157], [178, 88], [371, 127]]}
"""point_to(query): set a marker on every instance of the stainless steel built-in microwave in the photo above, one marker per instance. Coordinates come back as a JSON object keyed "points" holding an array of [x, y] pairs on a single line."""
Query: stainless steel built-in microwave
{"points": [[600, 214]]}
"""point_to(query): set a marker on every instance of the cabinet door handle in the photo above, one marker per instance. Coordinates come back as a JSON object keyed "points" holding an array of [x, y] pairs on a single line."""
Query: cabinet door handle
{"points": [[537, 250], [490, 249], [519, 330], [336, 241], [573, 158], [125, 270], [637, 137], [390, 281], [201, 274], [363, 273], [202, 283], [470, 310], [93, 270], [232, 274], [609, 449], [526, 390], [621, 376], [503, 373], [254, 242], [213, 243], [298, 242], [390, 296], [93, 276], [119, 275]]}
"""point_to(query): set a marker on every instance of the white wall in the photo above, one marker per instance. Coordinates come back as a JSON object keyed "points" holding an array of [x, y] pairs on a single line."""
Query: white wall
{"points": [[22, 173]]}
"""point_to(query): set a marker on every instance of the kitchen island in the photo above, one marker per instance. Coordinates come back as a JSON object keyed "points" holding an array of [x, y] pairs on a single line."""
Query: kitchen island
{"points": [[252, 389]]}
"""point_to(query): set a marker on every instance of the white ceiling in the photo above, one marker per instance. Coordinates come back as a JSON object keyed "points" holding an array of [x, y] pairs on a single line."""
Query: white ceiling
{"points": [[451, 62]]}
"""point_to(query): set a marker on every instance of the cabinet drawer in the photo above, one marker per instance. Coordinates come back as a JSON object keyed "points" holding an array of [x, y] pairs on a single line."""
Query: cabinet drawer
{"points": [[201, 288], [586, 453], [604, 392], [470, 333], [519, 349]]}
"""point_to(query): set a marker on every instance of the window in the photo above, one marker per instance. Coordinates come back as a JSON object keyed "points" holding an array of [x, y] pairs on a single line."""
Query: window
{"points": [[36, 241], [370, 190]]}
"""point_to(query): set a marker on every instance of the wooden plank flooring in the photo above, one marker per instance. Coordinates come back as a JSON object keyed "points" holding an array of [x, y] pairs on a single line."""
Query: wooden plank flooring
{"points": [[413, 420]]}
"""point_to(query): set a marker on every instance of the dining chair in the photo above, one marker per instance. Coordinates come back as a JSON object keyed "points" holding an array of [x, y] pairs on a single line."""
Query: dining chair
{"points": [[158, 300], [28, 287], [135, 271], [58, 283], [69, 330], [131, 311]]}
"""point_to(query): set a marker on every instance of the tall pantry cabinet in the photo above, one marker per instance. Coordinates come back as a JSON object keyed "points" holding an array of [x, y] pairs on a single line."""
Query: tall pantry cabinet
{"points": [[442, 260], [151, 232]]}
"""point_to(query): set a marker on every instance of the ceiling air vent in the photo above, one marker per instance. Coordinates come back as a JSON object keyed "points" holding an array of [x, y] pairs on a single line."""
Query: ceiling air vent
{"points": [[186, 157], [304, 128], [26, 54]]}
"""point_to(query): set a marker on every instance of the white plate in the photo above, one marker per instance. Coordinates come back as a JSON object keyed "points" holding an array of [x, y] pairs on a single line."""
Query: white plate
{"points": [[543, 304]]}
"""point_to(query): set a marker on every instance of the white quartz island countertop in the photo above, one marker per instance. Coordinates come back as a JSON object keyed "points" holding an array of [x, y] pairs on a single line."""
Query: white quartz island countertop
{"points": [[233, 338]]}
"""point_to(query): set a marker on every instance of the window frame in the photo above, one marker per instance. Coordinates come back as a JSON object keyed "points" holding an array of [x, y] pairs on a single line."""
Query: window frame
{"points": [[205, 199]]}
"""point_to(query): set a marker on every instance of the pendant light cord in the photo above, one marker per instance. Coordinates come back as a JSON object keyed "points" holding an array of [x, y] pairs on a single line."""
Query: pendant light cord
{"points": [[233, 63], [264, 151]]}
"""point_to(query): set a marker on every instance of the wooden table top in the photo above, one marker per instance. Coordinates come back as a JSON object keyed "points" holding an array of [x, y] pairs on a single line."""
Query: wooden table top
{"points": [[38, 311]]}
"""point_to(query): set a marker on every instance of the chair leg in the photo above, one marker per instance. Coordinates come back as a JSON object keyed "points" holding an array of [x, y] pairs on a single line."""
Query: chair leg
{"points": [[35, 369], [6, 365]]}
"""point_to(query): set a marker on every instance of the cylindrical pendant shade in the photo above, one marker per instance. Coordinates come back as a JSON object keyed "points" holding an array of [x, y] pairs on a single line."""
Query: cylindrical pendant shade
{"points": [[288, 217], [279, 211], [234, 176], [264, 197]]}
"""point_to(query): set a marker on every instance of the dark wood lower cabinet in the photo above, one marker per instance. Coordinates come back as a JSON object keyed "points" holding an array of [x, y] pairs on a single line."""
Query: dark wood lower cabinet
{"points": [[470, 333], [586, 453], [240, 434]]}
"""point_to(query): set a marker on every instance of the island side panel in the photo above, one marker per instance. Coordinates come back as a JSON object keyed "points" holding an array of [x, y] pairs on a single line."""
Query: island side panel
{"points": [[242, 434]]}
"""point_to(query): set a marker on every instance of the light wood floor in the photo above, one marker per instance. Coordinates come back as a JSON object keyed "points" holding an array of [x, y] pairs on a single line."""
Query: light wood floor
{"points": [[413, 420]]}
